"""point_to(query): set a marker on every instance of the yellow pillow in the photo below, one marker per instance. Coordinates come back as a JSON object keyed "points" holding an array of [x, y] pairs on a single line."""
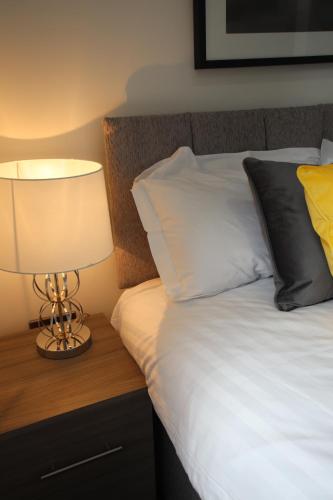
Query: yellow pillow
{"points": [[318, 188]]}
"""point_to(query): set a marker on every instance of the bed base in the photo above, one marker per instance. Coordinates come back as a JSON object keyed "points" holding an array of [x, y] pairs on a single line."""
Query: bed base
{"points": [[171, 479]]}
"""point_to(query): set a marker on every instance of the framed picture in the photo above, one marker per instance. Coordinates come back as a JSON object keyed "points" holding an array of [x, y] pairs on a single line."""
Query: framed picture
{"points": [[229, 33]]}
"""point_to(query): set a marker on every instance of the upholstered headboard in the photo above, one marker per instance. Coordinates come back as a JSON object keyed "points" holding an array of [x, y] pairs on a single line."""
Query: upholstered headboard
{"points": [[135, 143]]}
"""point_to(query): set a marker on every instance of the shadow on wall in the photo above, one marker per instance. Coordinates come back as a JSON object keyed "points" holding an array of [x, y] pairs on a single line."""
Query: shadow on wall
{"points": [[154, 89], [180, 88]]}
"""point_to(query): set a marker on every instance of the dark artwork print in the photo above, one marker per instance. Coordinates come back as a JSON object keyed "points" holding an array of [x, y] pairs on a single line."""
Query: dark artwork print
{"points": [[278, 16]]}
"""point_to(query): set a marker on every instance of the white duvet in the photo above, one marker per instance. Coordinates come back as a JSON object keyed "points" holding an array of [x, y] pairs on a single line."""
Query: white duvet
{"points": [[244, 391]]}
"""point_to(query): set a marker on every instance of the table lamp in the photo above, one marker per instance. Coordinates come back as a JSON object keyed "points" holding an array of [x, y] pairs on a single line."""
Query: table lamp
{"points": [[54, 220]]}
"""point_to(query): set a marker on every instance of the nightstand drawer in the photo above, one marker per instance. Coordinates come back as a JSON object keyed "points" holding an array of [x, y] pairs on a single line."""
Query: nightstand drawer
{"points": [[100, 451]]}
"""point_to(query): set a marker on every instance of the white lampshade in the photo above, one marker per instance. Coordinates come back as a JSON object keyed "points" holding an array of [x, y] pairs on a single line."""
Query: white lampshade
{"points": [[53, 216]]}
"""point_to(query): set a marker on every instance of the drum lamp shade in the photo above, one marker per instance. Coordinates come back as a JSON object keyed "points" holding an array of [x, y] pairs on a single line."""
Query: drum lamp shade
{"points": [[54, 216]]}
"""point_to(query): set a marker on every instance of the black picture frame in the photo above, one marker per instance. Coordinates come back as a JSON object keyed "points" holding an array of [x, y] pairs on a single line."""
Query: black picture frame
{"points": [[201, 61]]}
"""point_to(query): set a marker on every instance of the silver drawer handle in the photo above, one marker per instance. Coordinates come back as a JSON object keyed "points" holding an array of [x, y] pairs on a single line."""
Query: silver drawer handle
{"points": [[81, 462]]}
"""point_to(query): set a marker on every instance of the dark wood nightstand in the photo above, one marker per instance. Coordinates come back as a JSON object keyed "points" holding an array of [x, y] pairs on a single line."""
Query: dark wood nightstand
{"points": [[78, 428]]}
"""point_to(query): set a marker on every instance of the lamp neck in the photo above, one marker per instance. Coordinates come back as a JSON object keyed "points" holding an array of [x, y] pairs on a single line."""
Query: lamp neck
{"points": [[59, 295]]}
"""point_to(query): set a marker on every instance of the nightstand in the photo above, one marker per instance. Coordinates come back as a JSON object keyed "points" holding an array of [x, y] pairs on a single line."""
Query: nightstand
{"points": [[78, 428]]}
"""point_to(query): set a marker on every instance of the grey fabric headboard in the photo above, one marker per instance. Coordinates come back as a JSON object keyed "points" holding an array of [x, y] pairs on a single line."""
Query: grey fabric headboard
{"points": [[135, 143]]}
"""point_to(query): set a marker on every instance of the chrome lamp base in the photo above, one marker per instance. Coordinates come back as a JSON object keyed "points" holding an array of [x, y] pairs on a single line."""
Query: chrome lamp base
{"points": [[63, 335], [76, 344]]}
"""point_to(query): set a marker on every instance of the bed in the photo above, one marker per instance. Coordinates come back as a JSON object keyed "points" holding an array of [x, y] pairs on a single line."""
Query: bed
{"points": [[243, 401]]}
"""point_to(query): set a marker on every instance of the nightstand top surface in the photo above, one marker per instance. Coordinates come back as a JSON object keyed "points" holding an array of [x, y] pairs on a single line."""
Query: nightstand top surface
{"points": [[33, 388]]}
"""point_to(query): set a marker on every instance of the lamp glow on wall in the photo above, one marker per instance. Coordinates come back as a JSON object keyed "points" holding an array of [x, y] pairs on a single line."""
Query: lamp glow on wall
{"points": [[54, 220]]}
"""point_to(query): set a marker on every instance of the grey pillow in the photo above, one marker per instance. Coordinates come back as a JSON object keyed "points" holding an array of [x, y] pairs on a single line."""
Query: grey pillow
{"points": [[301, 272]]}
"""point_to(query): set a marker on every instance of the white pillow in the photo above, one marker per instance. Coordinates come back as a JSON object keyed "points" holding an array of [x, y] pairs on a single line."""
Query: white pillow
{"points": [[202, 225], [326, 152]]}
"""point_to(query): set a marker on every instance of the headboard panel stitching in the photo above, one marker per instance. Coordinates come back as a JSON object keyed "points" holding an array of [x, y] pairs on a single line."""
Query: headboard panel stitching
{"points": [[293, 127]]}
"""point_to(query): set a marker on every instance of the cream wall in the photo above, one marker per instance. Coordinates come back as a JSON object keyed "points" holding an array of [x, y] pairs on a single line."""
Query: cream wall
{"points": [[67, 63]]}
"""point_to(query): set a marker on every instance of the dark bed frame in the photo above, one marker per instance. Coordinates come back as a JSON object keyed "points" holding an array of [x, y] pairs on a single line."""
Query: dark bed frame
{"points": [[171, 479], [135, 143]]}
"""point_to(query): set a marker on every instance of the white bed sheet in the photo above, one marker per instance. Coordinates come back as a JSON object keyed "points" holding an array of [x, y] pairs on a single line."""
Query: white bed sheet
{"points": [[244, 391]]}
